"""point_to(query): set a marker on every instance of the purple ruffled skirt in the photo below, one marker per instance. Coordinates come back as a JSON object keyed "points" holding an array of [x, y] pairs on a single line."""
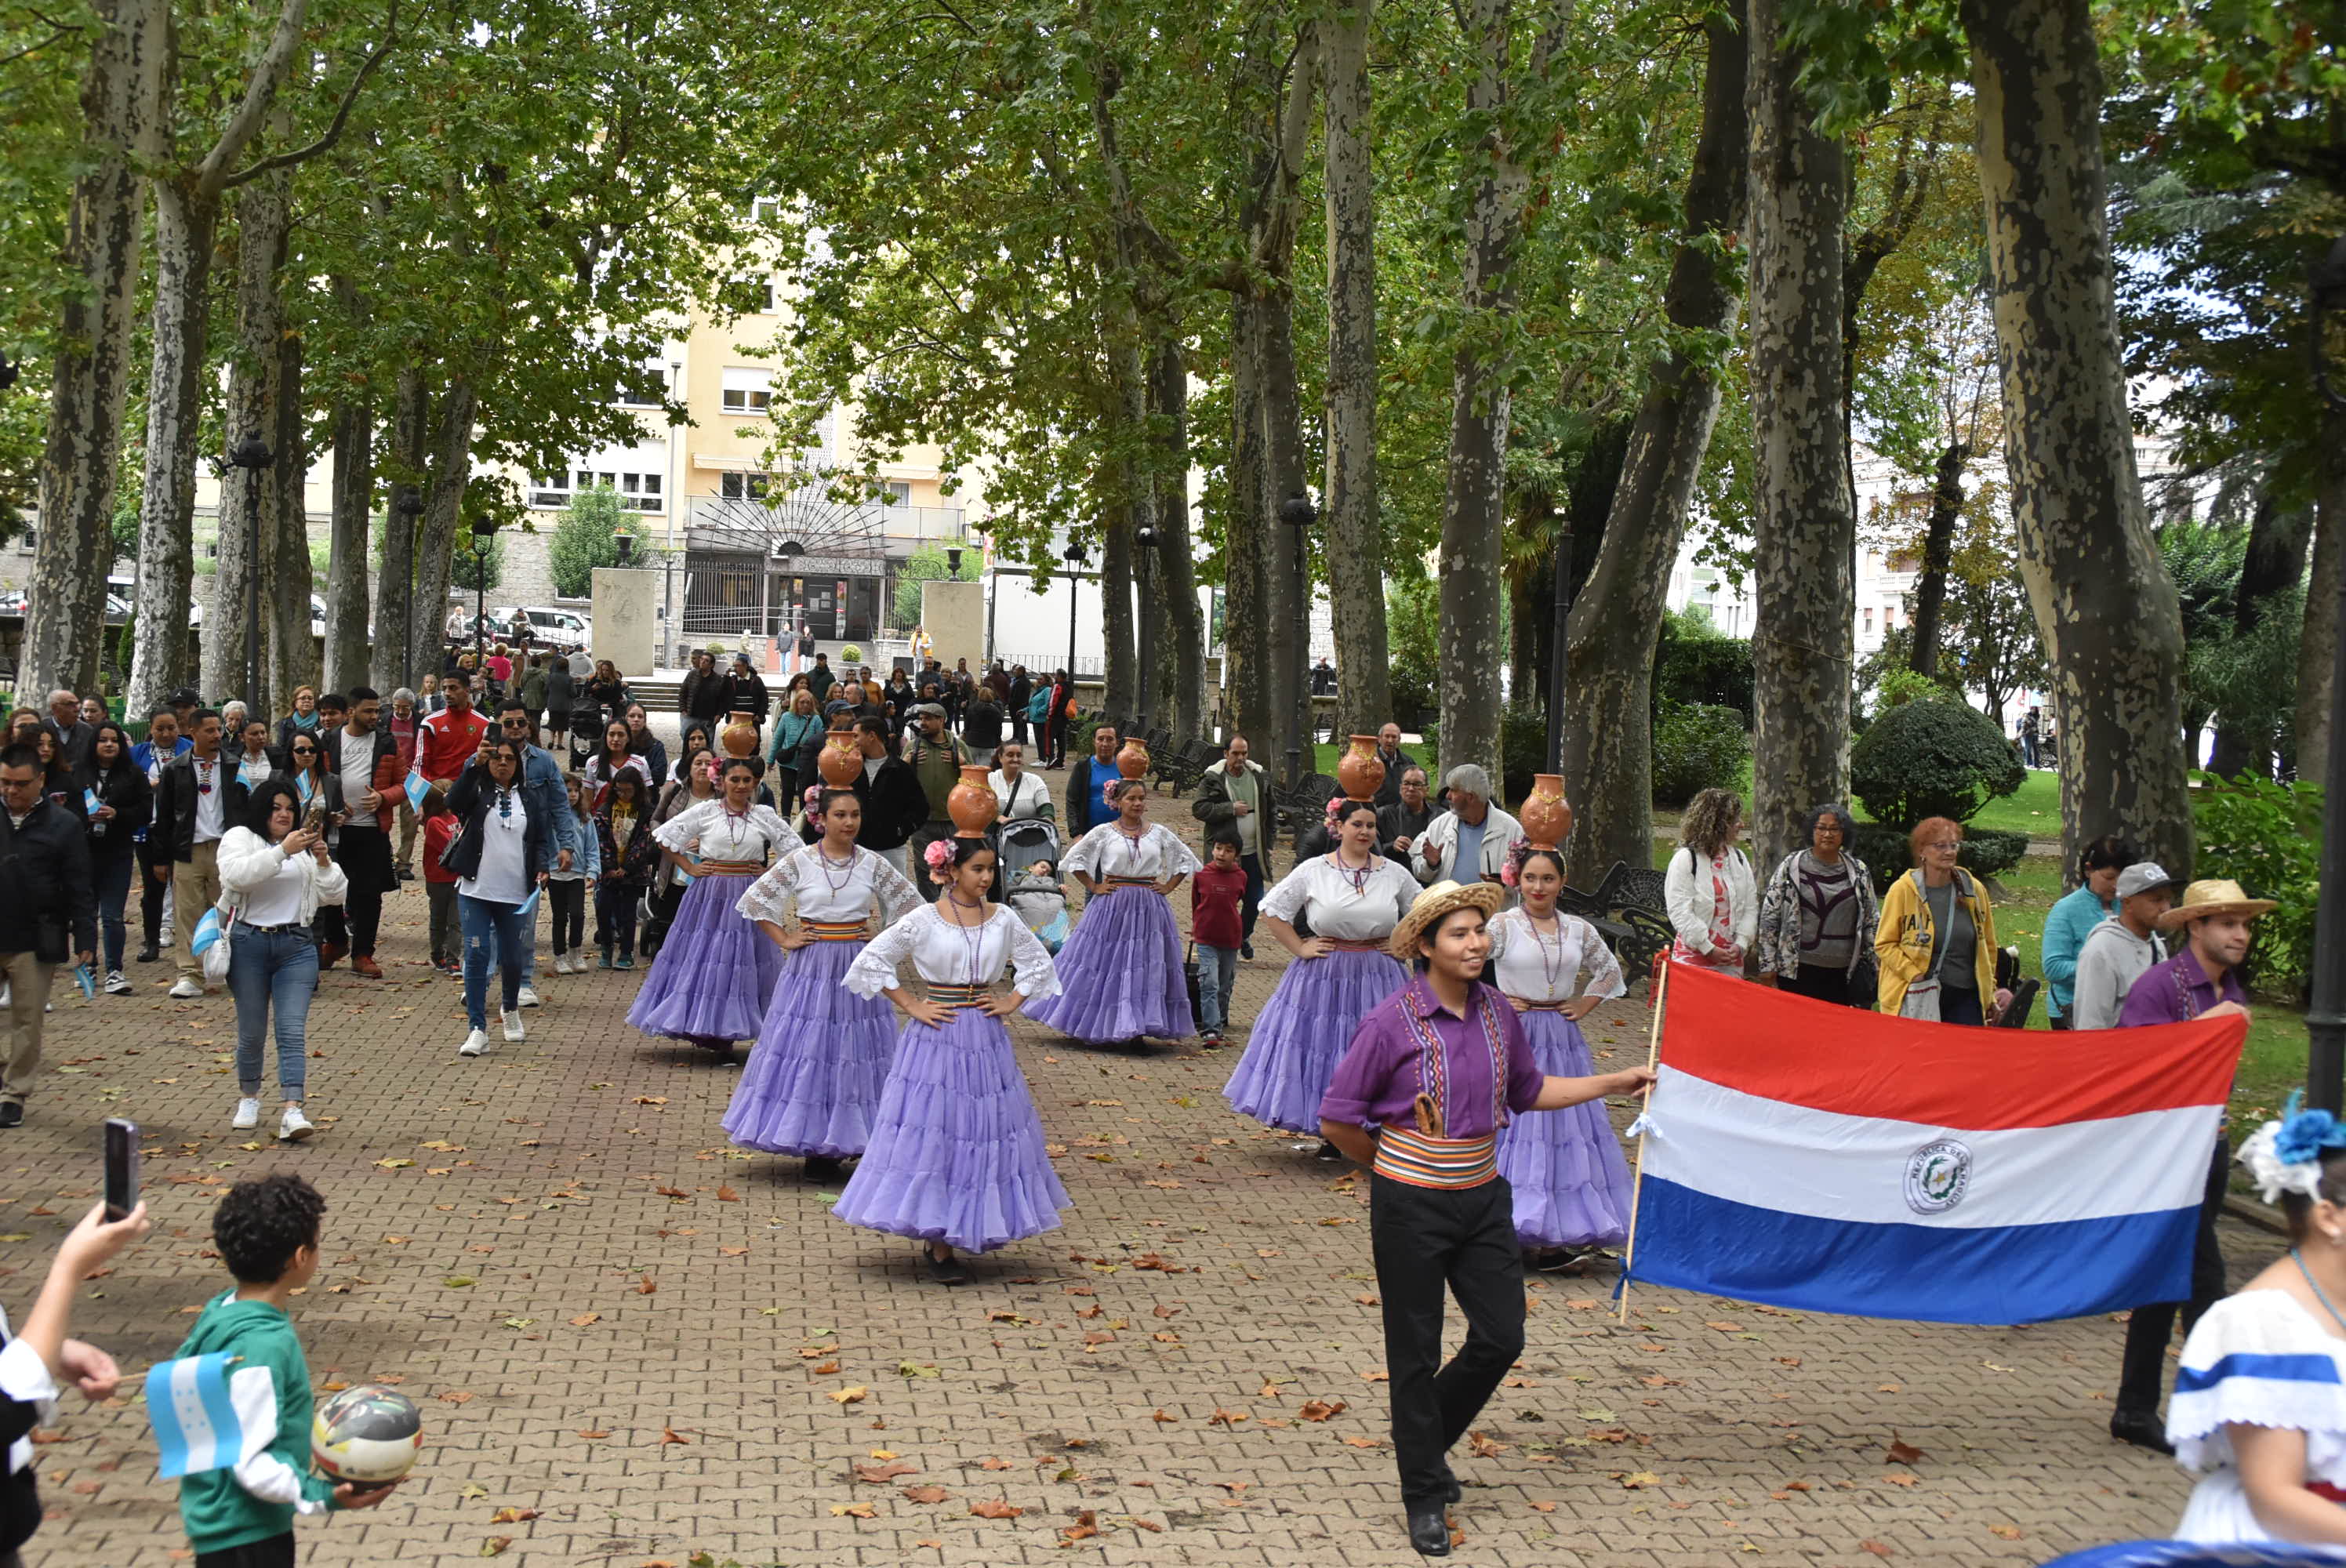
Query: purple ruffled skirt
{"points": [[956, 1147], [814, 1080], [1120, 972], [1303, 1031], [714, 973], [1571, 1182]]}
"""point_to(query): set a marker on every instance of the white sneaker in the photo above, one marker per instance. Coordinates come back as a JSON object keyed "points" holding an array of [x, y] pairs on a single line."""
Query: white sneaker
{"points": [[168, 936], [294, 1128], [115, 985], [247, 1114], [529, 999], [562, 963], [474, 1044], [513, 1029], [187, 990]]}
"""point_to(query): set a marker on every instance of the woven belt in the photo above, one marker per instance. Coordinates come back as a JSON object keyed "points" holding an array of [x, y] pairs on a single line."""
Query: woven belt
{"points": [[832, 930], [729, 869], [1545, 1006], [1132, 881], [1408, 1155], [1354, 944], [958, 995]]}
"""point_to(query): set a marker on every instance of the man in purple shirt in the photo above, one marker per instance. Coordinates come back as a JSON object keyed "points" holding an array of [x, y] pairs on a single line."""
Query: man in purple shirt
{"points": [[2202, 981], [1432, 1074]]}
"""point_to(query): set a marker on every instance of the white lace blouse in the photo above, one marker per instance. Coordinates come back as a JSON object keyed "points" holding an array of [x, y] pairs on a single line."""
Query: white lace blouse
{"points": [[806, 880], [1540, 966], [724, 836], [2257, 1358], [1345, 905], [1107, 851], [948, 954]]}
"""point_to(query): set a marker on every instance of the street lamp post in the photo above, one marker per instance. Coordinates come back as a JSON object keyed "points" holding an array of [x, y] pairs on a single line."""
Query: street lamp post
{"points": [[484, 538], [2325, 1020], [1144, 539], [252, 455], [1294, 698], [1555, 658], [405, 508]]}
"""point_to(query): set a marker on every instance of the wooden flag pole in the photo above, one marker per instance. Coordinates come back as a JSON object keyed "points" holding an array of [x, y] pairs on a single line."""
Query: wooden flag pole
{"points": [[1637, 1183]]}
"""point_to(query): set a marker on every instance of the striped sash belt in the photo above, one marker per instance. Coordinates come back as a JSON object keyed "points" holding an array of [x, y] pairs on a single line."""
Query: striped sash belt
{"points": [[1406, 1154], [1132, 881], [730, 869], [832, 930], [1544, 1006], [958, 995]]}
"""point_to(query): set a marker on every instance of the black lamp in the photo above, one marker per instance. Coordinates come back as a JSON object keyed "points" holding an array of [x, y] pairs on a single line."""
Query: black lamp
{"points": [[252, 455], [625, 544], [484, 538]]}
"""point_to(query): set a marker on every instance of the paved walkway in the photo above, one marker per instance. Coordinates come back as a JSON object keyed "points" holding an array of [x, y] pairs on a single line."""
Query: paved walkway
{"points": [[653, 1347]]}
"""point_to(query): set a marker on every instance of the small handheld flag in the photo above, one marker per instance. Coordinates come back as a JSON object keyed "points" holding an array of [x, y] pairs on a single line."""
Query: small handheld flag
{"points": [[197, 1426], [416, 789]]}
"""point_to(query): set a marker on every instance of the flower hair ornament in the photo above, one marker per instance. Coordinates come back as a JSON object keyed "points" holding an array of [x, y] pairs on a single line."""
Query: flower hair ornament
{"points": [[1335, 805], [2285, 1156], [813, 795], [1512, 871], [938, 856]]}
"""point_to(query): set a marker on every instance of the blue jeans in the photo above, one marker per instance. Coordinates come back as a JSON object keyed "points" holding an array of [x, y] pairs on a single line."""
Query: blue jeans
{"points": [[112, 874], [273, 972], [490, 928], [1218, 972]]}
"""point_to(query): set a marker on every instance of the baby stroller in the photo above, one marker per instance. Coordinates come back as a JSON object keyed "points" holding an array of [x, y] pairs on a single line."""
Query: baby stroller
{"points": [[1018, 845]]}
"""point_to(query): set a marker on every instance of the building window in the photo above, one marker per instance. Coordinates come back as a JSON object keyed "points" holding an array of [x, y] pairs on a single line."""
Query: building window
{"points": [[748, 391], [547, 490], [1904, 561], [640, 490], [895, 492], [751, 296], [1869, 623], [744, 486], [645, 389]]}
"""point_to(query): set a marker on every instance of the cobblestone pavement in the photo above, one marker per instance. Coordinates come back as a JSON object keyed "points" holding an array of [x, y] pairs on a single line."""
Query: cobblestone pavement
{"points": [[655, 1347]]}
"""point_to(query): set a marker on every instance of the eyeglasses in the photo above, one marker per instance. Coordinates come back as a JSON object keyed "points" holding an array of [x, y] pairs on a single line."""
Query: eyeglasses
{"points": [[1947, 848]]}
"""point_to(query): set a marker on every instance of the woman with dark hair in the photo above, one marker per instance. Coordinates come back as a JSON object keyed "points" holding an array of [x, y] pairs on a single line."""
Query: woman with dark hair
{"points": [[499, 855], [645, 744], [1354, 898], [2073, 918], [617, 755], [118, 803], [1936, 942], [57, 776], [1120, 972], [605, 696], [814, 1080], [1817, 916], [955, 1158], [715, 974], [1571, 1185], [274, 875], [2259, 1404], [694, 781], [623, 831], [1708, 888]]}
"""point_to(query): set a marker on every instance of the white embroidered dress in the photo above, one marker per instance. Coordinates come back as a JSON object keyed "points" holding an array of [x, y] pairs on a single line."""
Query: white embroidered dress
{"points": [[1108, 851], [2257, 1358], [944, 954], [1540, 965], [1343, 904], [725, 835], [808, 882]]}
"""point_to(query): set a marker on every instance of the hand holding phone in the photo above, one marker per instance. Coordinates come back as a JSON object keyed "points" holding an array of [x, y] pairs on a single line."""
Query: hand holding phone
{"points": [[121, 1167]]}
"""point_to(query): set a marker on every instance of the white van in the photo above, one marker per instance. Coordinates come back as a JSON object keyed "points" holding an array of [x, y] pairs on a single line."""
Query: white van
{"points": [[551, 626]]}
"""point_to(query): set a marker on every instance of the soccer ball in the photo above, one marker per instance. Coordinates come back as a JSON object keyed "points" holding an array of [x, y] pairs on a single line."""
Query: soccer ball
{"points": [[367, 1434]]}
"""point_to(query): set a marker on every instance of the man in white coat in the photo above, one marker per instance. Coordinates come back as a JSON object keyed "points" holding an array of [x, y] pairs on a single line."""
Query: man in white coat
{"points": [[1474, 834]]}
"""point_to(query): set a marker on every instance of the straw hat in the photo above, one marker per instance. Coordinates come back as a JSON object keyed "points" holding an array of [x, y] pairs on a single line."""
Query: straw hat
{"points": [[2213, 897], [1430, 906]]}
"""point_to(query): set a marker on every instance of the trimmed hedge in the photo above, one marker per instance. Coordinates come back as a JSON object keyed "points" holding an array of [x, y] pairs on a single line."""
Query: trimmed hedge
{"points": [[1698, 746], [1927, 758], [1987, 852]]}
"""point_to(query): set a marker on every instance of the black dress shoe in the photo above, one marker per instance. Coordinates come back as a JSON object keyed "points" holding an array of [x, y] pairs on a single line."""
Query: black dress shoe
{"points": [[948, 1269], [1429, 1531], [820, 1168], [2141, 1428], [12, 1114], [149, 953]]}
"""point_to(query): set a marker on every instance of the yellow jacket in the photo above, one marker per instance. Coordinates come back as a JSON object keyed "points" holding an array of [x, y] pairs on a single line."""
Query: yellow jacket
{"points": [[1904, 942]]}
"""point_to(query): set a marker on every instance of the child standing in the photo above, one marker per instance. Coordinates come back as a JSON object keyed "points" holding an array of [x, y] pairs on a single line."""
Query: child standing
{"points": [[625, 853], [566, 891], [439, 882], [1215, 926], [268, 1234]]}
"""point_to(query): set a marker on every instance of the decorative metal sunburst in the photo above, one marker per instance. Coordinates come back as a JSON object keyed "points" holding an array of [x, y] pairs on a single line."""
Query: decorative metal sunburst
{"points": [[810, 525]]}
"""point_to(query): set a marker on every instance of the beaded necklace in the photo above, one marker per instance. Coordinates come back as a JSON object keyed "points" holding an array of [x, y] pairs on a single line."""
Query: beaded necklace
{"points": [[840, 885], [1358, 878], [973, 936], [1548, 965]]}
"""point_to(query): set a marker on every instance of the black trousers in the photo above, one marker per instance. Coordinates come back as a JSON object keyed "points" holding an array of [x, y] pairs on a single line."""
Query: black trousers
{"points": [[568, 901], [277, 1551], [1250, 905], [153, 852], [1819, 981], [364, 855], [2149, 1329], [1427, 1239]]}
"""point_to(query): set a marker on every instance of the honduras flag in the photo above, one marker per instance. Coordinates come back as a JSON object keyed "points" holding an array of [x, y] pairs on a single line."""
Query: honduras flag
{"points": [[1836, 1160], [203, 1419]]}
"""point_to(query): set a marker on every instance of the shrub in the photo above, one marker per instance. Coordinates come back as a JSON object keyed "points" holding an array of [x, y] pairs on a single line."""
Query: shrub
{"points": [[1696, 747], [1901, 687], [1987, 852], [2267, 837], [1695, 664], [1931, 759]]}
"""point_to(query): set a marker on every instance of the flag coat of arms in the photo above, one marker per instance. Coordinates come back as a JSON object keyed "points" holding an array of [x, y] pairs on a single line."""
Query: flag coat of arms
{"points": [[1837, 1160]]}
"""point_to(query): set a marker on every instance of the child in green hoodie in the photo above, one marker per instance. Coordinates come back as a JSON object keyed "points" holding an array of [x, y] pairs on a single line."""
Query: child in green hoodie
{"points": [[268, 1233]]}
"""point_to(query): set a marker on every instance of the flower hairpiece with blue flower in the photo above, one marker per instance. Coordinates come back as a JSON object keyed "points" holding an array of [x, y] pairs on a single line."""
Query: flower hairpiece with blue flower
{"points": [[2285, 1156]]}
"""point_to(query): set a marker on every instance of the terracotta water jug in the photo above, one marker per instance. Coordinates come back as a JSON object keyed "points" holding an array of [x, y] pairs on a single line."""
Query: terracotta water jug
{"points": [[1359, 773], [1133, 761], [840, 759], [739, 737], [1545, 817], [971, 804]]}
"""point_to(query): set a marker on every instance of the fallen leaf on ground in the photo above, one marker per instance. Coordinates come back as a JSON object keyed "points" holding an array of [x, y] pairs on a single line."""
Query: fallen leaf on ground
{"points": [[648, 1288], [1222, 1418], [1365, 1442], [994, 1508], [669, 1435], [998, 1465], [494, 1546], [1637, 1479], [850, 1396], [924, 1494], [852, 1510], [727, 1195], [593, 1434], [1545, 1507], [1320, 1409], [1904, 1452], [513, 1516], [880, 1474], [1875, 1547], [2005, 1531], [1086, 1526], [826, 1369]]}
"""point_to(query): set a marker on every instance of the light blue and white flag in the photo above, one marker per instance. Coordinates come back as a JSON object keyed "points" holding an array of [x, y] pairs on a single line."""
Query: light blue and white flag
{"points": [[416, 789], [208, 931], [204, 1420]]}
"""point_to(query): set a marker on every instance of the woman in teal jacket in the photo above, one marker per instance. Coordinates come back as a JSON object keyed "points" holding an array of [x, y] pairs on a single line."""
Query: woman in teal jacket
{"points": [[2094, 901]]}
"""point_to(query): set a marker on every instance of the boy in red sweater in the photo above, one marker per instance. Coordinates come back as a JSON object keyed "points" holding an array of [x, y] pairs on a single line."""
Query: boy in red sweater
{"points": [[440, 884], [1214, 926]]}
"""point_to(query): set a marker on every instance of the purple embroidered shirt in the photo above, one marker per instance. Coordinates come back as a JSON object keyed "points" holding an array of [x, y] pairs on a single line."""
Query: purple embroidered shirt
{"points": [[2177, 992], [1377, 1081]]}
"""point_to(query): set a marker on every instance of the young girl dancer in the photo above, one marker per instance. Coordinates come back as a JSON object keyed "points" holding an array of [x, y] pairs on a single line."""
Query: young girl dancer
{"points": [[715, 974], [1571, 1184], [955, 1157], [1354, 898], [823, 1055], [1120, 972]]}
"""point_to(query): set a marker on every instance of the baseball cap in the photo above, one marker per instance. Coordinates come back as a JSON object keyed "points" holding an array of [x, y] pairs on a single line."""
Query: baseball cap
{"points": [[2143, 876]]}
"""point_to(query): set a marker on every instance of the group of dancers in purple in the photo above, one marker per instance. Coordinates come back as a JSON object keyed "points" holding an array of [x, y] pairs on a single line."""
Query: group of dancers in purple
{"points": [[805, 956]]}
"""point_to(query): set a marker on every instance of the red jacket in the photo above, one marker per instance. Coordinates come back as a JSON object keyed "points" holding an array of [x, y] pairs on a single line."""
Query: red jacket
{"points": [[437, 832], [443, 743], [1214, 895]]}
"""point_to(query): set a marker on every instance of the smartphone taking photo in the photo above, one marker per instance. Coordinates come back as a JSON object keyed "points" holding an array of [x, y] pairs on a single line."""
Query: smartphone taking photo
{"points": [[121, 1167]]}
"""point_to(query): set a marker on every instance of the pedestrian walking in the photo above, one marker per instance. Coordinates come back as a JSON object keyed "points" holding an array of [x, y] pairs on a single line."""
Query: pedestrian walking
{"points": [[363, 758], [1936, 942], [626, 853], [275, 875], [798, 740], [118, 803], [500, 856], [2118, 951], [400, 722], [1218, 928], [895, 805], [2073, 918], [48, 913], [1817, 917], [1235, 793], [163, 743], [1708, 888], [199, 800]]}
